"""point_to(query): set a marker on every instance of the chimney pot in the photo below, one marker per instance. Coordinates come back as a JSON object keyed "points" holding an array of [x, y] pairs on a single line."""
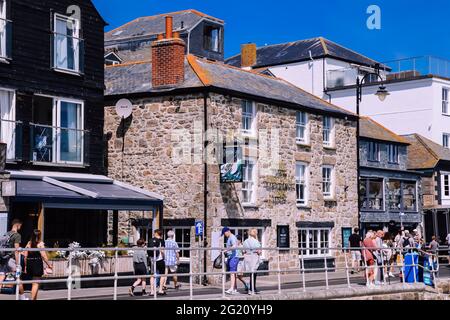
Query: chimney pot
{"points": [[248, 55], [169, 27]]}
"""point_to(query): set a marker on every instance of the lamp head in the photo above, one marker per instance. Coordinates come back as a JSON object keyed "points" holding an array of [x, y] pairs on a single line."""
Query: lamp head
{"points": [[382, 93]]}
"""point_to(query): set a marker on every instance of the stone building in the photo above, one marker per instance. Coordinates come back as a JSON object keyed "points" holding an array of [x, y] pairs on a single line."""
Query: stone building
{"points": [[298, 154], [390, 194], [433, 161]]}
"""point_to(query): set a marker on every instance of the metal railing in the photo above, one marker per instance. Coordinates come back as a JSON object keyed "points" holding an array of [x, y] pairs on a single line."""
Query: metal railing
{"points": [[5, 39], [68, 53], [50, 144], [401, 69], [11, 133], [301, 271]]}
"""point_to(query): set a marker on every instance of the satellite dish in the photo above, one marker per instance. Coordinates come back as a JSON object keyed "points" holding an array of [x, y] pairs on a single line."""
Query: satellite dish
{"points": [[124, 108]]}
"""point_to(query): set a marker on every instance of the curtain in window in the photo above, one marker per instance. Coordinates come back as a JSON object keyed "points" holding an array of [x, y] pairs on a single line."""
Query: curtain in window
{"points": [[7, 125], [66, 45], [71, 137], [2, 28]]}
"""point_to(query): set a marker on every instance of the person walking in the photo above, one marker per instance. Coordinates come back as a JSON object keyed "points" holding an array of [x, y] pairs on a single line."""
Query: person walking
{"points": [[378, 255], [172, 258], [369, 245], [157, 258], [252, 258], [232, 258], [355, 245], [34, 261], [433, 246], [140, 266], [241, 265], [388, 255], [10, 261]]}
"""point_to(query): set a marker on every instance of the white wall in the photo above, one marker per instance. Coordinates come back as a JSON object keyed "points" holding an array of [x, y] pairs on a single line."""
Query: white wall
{"points": [[412, 107]]}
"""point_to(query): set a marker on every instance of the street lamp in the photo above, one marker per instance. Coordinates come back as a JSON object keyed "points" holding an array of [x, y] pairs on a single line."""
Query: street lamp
{"points": [[382, 94]]}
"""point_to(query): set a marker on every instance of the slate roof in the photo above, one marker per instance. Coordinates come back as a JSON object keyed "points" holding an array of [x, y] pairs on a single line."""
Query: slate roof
{"points": [[136, 78], [424, 153], [369, 128], [297, 51], [153, 25]]}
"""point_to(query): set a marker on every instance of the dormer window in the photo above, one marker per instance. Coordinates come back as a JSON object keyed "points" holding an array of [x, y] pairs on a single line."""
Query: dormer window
{"points": [[212, 38], [67, 44], [112, 59]]}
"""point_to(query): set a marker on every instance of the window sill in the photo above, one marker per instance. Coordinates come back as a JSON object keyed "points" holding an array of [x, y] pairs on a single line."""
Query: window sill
{"points": [[393, 163], [304, 206], [67, 71], [57, 164], [5, 60], [250, 206], [250, 135], [329, 199], [303, 144], [446, 114], [333, 148]]}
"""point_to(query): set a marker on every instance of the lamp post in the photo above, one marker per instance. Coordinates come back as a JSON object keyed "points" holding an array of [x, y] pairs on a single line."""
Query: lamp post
{"points": [[382, 94]]}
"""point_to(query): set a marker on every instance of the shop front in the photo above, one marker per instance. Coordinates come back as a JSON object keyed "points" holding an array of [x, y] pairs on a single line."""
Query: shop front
{"points": [[82, 208]]}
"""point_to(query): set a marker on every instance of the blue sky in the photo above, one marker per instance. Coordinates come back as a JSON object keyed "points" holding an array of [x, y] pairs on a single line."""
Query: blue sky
{"points": [[408, 27]]}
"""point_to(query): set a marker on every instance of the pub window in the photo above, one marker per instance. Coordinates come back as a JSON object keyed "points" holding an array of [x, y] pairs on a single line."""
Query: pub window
{"points": [[248, 117], [67, 45], [328, 131], [302, 134], [212, 38], [314, 242], [371, 194], [374, 151], [301, 183], [328, 181], [393, 156], [248, 184], [445, 182], [445, 140], [182, 238], [9, 128]]}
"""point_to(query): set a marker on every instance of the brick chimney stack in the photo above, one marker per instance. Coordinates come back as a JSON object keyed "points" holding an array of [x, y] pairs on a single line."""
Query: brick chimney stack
{"points": [[168, 58], [248, 55]]}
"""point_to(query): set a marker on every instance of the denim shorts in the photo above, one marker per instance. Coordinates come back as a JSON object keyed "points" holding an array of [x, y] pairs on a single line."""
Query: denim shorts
{"points": [[233, 264]]}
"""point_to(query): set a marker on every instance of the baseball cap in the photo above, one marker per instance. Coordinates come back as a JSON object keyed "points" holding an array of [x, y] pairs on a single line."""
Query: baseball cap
{"points": [[225, 230]]}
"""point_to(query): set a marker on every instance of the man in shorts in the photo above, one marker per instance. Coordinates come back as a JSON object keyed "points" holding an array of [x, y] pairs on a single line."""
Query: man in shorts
{"points": [[172, 257], [232, 258], [156, 255], [355, 243]]}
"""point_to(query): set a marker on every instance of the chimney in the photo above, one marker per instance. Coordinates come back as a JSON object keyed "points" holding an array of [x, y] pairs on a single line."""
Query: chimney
{"points": [[248, 55], [168, 58]]}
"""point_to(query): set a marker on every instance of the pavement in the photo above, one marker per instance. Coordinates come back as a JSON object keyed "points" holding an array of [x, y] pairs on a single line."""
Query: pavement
{"points": [[266, 284]]}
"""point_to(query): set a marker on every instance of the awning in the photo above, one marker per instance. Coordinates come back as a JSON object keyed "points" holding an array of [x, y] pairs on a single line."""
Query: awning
{"points": [[81, 191]]}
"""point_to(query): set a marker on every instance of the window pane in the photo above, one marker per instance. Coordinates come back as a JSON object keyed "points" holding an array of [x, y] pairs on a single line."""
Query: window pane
{"points": [[394, 195], [409, 196], [71, 136], [375, 201]]}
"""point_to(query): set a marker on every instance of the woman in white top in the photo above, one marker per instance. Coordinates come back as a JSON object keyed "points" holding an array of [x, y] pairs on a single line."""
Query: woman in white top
{"points": [[252, 258]]}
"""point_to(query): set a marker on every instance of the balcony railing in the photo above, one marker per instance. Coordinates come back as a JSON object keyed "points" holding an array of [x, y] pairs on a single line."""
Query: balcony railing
{"points": [[5, 38], [403, 69], [11, 134], [51, 144], [68, 53]]}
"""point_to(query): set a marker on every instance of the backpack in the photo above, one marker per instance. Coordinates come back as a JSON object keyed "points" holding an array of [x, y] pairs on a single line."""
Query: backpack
{"points": [[406, 243], [5, 244]]}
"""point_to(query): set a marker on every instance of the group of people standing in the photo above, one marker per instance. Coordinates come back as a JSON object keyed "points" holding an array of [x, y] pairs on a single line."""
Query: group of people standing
{"points": [[242, 257], [381, 252], [23, 265], [158, 258]]}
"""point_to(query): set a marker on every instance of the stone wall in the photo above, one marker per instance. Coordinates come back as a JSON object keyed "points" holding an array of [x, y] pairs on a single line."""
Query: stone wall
{"points": [[151, 145]]}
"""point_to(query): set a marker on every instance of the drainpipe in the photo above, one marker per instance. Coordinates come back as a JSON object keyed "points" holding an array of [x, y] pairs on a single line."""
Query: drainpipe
{"points": [[205, 184], [312, 61]]}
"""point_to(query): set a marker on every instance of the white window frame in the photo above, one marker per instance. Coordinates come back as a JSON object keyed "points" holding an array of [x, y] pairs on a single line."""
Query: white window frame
{"points": [[252, 201], [11, 148], [446, 140], [376, 147], [330, 129], [183, 228], [331, 179], [76, 35], [56, 121], [393, 153], [445, 101], [3, 39], [443, 175], [320, 245], [252, 116], [302, 125], [302, 178]]}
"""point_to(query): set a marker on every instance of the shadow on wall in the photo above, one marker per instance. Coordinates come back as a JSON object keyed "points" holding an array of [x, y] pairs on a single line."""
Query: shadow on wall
{"points": [[230, 198]]}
